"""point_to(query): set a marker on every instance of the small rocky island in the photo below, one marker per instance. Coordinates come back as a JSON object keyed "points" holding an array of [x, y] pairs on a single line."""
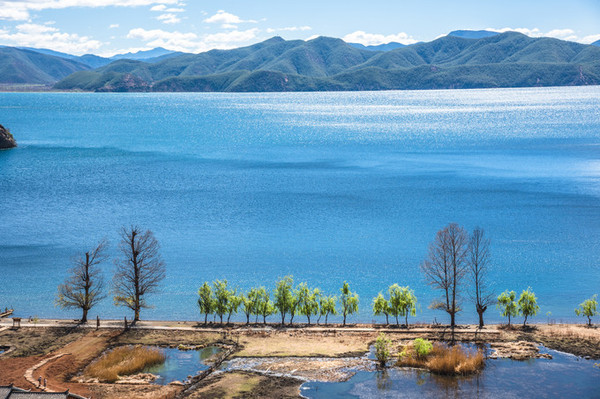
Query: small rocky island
{"points": [[6, 139]]}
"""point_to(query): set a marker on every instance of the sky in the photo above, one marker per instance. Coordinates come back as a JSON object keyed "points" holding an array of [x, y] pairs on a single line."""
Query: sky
{"points": [[108, 27]]}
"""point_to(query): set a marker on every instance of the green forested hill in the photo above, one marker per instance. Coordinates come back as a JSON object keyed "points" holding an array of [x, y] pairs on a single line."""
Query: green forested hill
{"points": [[500, 60], [26, 66]]}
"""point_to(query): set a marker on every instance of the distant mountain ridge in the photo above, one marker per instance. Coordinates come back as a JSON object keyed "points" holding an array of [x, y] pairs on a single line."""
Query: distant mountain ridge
{"points": [[473, 34], [96, 61], [381, 47], [501, 60], [21, 66], [462, 59]]}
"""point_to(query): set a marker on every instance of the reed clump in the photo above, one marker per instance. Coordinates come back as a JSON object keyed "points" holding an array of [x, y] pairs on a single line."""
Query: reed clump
{"points": [[125, 360], [442, 359]]}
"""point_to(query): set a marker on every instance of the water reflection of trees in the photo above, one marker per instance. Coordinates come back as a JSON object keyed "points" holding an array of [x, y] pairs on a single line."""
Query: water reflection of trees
{"points": [[433, 384], [384, 383]]}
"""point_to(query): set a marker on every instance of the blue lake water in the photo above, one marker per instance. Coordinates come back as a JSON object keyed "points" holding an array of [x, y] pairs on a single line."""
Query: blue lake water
{"points": [[325, 186]]}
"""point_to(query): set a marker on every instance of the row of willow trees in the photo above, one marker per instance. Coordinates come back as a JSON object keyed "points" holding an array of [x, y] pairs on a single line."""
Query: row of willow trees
{"points": [[220, 300], [457, 264]]}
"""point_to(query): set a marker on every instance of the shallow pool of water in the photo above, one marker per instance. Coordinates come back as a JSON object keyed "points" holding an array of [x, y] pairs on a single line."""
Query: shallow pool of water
{"points": [[180, 364], [563, 376]]}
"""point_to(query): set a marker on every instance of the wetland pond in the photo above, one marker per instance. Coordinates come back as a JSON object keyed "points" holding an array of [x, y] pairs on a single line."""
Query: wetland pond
{"points": [[564, 375], [180, 364]]}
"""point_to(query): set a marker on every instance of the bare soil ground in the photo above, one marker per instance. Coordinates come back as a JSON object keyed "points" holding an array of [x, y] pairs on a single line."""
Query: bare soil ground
{"points": [[242, 384], [307, 368], [36, 341], [576, 339]]}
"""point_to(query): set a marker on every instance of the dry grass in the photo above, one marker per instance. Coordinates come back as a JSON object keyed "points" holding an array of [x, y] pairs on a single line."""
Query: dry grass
{"points": [[445, 360], [125, 360]]}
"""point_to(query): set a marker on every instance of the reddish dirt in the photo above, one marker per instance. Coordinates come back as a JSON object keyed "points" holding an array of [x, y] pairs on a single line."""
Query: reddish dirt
{"points": [[12, 370]]}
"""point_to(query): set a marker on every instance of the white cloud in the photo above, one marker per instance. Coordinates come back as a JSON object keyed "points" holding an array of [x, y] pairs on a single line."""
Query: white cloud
{"points": [[168, 18], [191, 42], [590, 39], [374, 39], [289, 29], [113, 26], [20, 10], [44, 36], [563, 34], [163, 8], [226, 19], [231, 37]]}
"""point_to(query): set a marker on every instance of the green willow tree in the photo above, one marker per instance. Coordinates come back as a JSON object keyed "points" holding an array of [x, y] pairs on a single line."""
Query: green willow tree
{"points": [[234, 301], [381, 306], [403, 302], [264, 306], [327, 307], [310, 305], [383, 347], [588, 308], [508, 305], [348, 301], [221, 304], [206, 301], [283, 296], [528, 306], [299, 296], [250, 303]]}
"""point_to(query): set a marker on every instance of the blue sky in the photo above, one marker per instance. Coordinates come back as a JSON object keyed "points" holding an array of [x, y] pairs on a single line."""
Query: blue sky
{"points": [[107, 27]]}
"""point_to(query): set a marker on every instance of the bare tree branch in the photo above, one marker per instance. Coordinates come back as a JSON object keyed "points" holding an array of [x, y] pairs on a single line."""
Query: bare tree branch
{"points": [[446, 266], [139, 271], [479, 260], [85, 286]]}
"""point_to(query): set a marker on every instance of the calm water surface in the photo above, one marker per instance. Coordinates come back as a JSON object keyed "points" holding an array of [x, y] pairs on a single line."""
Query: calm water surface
{"points": [[325, 186], [179, 364], [564, 376]]}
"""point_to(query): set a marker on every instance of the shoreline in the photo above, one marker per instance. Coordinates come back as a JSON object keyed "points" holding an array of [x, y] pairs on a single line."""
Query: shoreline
{"points": [[269, 359], [576, 339]]}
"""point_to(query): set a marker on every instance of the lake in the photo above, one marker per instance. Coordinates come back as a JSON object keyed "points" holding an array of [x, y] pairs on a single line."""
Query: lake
{"points": [[325, 186]]}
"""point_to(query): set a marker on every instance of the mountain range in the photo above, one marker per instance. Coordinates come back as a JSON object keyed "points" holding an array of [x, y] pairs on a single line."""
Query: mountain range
{"points": [[462, 59]]}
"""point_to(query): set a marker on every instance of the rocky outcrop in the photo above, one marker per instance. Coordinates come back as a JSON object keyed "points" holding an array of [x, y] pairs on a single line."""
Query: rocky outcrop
{"points": [[6, 139]]}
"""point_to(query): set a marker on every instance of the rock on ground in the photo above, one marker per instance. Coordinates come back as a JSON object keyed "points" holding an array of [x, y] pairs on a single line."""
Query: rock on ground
{"points": [[6, 138]]}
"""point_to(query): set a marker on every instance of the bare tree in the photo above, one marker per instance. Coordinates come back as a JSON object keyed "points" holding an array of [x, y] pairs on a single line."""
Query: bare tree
{"points": [[446, 265], [84, 287], [139, 271], [479, 260]]}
